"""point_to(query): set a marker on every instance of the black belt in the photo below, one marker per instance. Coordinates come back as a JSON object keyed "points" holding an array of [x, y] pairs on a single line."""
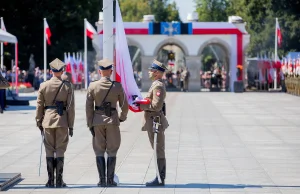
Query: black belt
{"points": [[53, 107], [102, 108], [153, 111]]}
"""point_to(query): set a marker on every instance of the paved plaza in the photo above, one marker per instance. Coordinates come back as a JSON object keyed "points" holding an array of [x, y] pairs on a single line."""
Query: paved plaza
{"points": [[217, 143]]}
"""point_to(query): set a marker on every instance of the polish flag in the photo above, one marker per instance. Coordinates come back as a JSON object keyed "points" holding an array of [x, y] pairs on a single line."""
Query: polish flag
{"points": [[48, 33], [90, 30], [68, 63], [73, 72], [81, 68], [290, 66], [279, 36], [124, 71], [3, 28]]}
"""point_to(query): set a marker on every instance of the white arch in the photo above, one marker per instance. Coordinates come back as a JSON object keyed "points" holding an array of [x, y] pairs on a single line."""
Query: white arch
{"points": [[132, 42], [217, 41], [174, 41]]}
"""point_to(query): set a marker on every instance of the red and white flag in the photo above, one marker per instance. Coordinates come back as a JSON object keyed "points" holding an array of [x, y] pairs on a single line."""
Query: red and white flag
{"points": [[90, 30], [47, 32], [3, 28], [124, 71], [81, 68], [68, 63], [279, 36]]}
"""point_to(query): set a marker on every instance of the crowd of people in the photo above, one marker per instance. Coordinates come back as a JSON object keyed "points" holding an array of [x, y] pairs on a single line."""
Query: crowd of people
{"points": [[182, 77], [215, 78]]}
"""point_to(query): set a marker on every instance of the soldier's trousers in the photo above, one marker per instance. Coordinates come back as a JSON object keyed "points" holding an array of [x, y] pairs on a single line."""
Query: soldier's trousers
{"points": [[160, 142], [56, 140], [107, 139]]}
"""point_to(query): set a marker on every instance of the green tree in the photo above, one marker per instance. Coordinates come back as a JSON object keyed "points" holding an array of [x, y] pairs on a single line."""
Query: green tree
{"points": [[212, 10], [24, 19], [134, 10], [173, 13], [260, 17]]}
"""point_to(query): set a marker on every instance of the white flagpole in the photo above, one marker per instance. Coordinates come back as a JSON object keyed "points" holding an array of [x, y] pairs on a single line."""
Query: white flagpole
{"points": [[2, 47], [108, 40], [276, 39], [85, 58], [45, 52]]}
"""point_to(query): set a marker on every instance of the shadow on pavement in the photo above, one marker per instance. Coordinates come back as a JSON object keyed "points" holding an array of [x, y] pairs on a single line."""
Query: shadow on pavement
{"points": [[138, 186], [18, 108]]}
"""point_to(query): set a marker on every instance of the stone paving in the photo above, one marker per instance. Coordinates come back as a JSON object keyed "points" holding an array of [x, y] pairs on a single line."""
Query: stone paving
{"points": [[217, 143]]}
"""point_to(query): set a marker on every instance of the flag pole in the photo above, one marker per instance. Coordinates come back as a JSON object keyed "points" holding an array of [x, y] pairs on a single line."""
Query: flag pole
{"points": [[85, 57], [108, 39], [45, 52], [276, 40], [2, 47]]}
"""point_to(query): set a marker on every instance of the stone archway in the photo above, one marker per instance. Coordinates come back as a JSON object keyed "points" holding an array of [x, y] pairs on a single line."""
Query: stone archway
{"points": [[172, 75], [214, 65], [169, 41]]}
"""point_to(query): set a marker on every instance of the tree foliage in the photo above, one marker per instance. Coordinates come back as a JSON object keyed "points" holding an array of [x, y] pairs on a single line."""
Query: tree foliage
{"points": [[260, 17], [212, 10], [134, 10], [24, 19]]}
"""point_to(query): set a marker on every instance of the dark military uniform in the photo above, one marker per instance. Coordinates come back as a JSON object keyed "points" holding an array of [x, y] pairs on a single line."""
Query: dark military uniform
{"points": [[105, 128], [157, 95], [55, 125]]}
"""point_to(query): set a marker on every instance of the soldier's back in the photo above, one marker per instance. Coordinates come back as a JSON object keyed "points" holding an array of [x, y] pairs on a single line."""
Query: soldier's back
{"points": [[100, 88], [48, 91]]}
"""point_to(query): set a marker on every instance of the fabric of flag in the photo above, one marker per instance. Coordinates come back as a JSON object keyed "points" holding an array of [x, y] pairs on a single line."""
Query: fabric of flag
{"points": [[81, 67], [279, 36], [48, 33], [124, 71], [90, 30], [68, 64], [73, 72]]}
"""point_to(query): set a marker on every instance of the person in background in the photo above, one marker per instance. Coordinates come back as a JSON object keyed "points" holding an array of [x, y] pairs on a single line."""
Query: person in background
{"points": [[3, 85]]}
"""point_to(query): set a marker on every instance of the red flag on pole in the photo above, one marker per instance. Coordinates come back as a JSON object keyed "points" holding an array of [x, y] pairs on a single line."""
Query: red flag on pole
{"points": [[48, 33], [90, 30], [124, 71], [279, 37]]}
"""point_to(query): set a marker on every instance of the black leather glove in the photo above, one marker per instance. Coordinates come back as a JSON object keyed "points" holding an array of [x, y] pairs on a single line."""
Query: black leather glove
{"points": [[71, 132], [92, 131], [121, 120], [41, 129]]}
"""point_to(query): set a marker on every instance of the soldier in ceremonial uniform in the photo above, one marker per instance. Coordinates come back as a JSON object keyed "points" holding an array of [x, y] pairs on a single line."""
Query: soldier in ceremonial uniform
{"points": [[103, 120], [156, 108], [55, 116]]}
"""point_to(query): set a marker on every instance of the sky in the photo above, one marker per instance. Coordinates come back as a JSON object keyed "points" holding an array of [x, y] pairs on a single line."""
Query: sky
{"points": [[185, 7]]}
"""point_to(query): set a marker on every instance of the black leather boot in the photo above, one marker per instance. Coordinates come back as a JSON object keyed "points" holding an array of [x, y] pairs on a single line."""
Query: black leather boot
{"points": [[59, 172], [111, 164], [50, 169], [101, 170], [161, 162]]}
